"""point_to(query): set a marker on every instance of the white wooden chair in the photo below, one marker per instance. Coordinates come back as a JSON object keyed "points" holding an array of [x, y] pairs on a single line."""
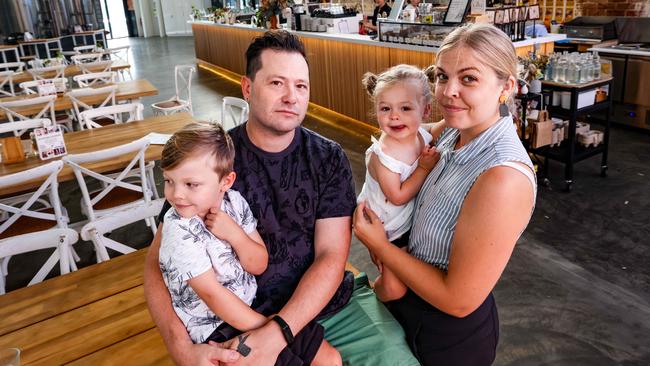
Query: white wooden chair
{"points": [[7, 84], [116, 113], [13, 110], [90, 119], [183, 82], [229, 112], [49, 72], [96, 230], [120, 54], [116, 194], [29, 227], [39, 63], [16, 67], [31, 87], [85, 49], [80, 100], [83, 58], [20, 127], [92, 67], [95, 78]]}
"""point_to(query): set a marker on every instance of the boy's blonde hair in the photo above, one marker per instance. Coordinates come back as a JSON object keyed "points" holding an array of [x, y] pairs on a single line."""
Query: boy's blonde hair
{"points": [[200, 137], [374, 84]]}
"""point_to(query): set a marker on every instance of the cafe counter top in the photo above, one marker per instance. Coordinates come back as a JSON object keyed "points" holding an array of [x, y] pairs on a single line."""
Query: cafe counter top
{"points": [[337, 62]]}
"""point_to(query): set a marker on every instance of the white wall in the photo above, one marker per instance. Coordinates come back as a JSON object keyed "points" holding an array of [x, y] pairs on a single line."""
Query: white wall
{"points": [[176, 14]]}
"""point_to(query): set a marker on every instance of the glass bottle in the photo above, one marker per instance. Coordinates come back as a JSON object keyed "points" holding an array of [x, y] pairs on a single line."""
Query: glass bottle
{"points": [[596, 66], [572, 73]]}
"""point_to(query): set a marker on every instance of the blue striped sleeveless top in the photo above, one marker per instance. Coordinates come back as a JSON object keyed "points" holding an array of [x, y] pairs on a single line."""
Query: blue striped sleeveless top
{"points": [[442, 195]]}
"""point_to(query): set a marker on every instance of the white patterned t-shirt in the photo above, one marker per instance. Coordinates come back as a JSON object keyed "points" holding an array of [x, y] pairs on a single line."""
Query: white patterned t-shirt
{"points": [[188, 249]]}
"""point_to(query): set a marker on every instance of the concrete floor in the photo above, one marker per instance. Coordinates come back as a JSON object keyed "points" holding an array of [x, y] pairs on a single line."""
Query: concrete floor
{"points": [[577, 289]]}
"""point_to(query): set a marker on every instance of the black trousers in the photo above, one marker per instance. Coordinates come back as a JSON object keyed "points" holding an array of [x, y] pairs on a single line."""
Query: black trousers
{"points": [[437, 338]]}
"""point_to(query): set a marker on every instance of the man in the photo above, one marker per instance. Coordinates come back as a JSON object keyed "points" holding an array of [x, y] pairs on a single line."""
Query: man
{"points": [[382, 10], [299, 186]]}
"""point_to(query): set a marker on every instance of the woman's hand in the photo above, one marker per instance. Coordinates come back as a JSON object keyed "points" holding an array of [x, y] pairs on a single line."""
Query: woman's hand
{"points": [[368, 228]]}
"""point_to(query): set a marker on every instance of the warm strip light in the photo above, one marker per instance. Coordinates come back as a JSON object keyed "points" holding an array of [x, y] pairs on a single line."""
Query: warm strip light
{"points": [[315, 111]]}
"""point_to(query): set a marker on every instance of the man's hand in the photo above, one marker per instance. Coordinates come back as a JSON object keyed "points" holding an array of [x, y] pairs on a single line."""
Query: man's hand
{"points": [[209, 355], [222, 225], [429, 158], [265, 345]]}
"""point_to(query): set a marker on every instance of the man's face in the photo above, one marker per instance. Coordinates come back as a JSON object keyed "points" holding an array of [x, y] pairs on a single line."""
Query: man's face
{"points": [[279, 95]]}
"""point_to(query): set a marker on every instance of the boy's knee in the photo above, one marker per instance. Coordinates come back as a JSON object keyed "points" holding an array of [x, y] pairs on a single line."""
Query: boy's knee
{"points": [[327, 356]]}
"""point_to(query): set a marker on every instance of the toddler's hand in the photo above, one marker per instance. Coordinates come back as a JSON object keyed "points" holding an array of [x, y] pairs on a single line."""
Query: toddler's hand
{"points": [[428, 158], [221, 225]]}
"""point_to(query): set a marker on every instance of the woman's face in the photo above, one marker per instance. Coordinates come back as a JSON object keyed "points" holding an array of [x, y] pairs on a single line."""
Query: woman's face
{"points": [[467, 90]]}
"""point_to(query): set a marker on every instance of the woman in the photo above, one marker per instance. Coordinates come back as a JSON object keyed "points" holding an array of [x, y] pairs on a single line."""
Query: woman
{"points": [[470, 211]]}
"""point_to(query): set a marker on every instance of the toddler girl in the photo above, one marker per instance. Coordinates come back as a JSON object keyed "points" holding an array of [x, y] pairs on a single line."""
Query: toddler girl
{"points": [[399, 161]]}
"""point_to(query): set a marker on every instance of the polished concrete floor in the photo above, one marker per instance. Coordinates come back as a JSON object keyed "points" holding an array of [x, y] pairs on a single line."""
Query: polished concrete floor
{"points": [[577, 288]]}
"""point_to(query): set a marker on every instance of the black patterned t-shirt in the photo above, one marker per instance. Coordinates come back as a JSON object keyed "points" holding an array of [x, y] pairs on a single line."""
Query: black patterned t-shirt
{"points": [[287, 192]]}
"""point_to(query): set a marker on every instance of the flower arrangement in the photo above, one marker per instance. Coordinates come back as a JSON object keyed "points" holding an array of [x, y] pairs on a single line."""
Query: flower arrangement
{"points": [[270, 10]]}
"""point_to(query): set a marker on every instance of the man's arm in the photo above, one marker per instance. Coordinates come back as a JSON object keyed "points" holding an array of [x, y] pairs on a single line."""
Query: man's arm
{"points": [[318, 285], [314, 291], [178, 342]]}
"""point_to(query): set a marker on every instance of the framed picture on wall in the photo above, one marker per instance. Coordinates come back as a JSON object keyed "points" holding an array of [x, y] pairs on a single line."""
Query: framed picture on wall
{"points": [[456, 11], [506, 16], [490, 16], [523, 13], [533, 12], [498, 17]]}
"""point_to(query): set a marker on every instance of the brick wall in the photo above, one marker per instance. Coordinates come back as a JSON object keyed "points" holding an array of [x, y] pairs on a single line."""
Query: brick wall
{"points": [[633, 8]]}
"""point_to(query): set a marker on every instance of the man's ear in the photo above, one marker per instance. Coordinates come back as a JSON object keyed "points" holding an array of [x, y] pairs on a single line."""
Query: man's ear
{"points": [[246, 85], [227, 181]]}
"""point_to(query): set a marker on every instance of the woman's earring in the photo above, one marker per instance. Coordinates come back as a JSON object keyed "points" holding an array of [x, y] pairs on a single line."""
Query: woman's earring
{"points": [[503, 108]]}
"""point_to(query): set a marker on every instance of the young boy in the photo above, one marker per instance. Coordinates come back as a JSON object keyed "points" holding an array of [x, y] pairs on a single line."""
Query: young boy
{"points": [[209, 274]]}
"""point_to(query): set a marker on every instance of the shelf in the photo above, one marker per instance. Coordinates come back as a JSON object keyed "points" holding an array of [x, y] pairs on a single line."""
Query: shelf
{"points": [[560, 153], [588, 109], [591, 84]]}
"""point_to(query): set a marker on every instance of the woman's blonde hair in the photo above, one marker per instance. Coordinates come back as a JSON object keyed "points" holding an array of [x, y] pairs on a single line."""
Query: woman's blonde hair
{"points": [[400, 73], [200, 137], [490, 44]]}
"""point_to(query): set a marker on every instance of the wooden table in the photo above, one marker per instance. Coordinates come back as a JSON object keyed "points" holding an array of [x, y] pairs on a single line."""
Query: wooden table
{"points": [[94, 316], [102, 138], [126, 90], [70, 71]]}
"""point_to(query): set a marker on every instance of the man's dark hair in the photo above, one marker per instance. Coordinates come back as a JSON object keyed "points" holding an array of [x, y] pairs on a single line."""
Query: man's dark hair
{"points": [[277, 40]]}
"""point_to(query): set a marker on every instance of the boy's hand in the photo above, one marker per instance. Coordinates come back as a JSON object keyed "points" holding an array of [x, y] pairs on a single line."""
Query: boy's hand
{"points": [[428, 158], [222, 225]]}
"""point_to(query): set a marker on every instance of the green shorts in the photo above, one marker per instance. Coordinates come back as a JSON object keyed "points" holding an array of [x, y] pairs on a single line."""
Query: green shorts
{"points": [[365, 333]]}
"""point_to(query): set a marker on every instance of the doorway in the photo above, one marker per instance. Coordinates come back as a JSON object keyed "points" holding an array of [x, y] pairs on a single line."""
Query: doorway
{"points": [[118, 19]]}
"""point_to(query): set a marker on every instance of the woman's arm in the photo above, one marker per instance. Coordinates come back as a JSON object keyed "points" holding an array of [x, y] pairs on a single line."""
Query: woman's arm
{"points": [[225, 304], [493, 216], [250, 248], [399, 193]]}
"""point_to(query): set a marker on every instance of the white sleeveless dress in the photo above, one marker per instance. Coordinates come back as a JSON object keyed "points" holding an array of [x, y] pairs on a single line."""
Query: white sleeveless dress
{"points": [[396, 219]]}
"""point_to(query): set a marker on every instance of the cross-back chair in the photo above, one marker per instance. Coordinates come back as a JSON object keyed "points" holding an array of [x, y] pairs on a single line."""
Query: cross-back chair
{"points": [[235, 110], [182, 101], [115, 194], [29, 227]]}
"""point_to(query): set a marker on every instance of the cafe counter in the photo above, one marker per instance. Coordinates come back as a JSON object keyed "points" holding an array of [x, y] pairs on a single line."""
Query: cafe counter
{"points": [[337, 62]]}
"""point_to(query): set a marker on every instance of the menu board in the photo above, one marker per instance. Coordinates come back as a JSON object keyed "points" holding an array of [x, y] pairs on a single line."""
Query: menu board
{"points": [[49, 142], [456, 11]]}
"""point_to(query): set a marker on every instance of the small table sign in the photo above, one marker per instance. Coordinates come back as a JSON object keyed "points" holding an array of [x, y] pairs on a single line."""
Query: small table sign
{"points": [[49, 142]]}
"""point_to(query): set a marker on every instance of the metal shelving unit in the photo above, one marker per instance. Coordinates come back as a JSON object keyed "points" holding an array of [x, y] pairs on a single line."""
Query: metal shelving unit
{"points": [[569, 152]]}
